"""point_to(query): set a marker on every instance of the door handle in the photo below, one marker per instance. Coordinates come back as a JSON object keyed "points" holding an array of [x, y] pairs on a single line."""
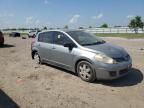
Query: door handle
{"points": [[53, 48]]}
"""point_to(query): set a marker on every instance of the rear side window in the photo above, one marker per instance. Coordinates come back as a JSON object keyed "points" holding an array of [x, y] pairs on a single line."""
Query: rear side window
{"points": [[45, 37]]}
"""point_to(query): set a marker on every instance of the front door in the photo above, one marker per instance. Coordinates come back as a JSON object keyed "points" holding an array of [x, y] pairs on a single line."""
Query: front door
{"points": [[62, 55]]}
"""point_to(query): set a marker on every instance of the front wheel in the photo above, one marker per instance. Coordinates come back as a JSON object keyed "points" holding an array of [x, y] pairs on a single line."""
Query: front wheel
{"points": [[85, 71]]}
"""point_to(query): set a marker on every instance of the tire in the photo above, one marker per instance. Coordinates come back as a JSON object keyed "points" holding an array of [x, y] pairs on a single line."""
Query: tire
{"points": [[36, 58], [85, 71], [1, 44]]}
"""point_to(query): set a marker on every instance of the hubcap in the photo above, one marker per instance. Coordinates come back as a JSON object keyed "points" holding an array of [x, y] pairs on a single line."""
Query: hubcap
{"points": [[85, 71], [36, 58]]}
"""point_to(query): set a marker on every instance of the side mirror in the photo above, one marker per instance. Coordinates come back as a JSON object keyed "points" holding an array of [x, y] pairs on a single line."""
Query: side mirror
{"points": [[69, 45]]}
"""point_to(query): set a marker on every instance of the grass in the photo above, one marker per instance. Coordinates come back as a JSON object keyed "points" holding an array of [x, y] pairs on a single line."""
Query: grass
{"points": [[122, 35]]}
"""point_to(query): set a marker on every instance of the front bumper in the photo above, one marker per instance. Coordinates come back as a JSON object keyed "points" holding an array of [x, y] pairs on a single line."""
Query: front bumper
{"points": [[113, 71]]}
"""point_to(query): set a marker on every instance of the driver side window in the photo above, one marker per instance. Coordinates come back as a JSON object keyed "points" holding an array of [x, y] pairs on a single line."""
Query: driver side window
{"points": [[61, 39]]}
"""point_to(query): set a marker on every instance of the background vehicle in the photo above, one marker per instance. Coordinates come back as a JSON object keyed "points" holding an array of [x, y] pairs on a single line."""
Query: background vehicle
{"points": [[14, 34], [1, 38], [33, 33], [83, 53]]}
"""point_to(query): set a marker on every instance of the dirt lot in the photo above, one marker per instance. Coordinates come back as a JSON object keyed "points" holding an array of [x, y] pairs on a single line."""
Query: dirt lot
{"points": [[26, 85]]}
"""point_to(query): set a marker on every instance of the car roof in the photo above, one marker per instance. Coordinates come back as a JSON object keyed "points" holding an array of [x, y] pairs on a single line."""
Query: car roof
{"points": [[61, 30]]}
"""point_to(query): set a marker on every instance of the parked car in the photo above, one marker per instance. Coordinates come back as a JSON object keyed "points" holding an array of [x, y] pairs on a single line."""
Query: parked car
{"points": [[33, 33], [1, 38], [83, 53], [14, 34]]}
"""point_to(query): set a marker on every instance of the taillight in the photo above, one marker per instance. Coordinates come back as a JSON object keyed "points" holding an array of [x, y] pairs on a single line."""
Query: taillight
{"points": [[33, 41]]}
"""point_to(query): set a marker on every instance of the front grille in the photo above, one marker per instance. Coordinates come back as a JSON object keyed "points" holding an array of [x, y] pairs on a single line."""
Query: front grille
{"points": [[112, 73]]}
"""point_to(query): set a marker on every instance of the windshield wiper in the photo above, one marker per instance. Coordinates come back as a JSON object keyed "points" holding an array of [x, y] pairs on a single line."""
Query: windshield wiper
{"points": [[101, 42]]}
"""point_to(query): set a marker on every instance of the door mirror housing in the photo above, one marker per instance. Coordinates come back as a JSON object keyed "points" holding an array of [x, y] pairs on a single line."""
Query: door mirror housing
{"points": [[69, 45]]}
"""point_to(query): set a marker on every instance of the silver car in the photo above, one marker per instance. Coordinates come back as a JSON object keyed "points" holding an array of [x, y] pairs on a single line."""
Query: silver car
{"points": [[33, 33], [83, 53]]}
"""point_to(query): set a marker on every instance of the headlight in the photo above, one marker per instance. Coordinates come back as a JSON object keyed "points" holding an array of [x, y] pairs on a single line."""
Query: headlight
{"points": [[105, 59]]}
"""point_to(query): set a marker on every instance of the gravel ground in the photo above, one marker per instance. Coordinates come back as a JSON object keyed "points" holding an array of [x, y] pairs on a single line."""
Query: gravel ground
{"points": [[27, 85]]}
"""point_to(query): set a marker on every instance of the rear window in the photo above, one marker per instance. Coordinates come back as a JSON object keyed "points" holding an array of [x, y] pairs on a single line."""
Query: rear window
{"points": [[45, 37]]}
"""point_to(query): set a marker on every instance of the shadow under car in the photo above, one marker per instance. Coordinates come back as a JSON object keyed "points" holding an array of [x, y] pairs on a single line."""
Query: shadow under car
{"points": [[133, 78]]}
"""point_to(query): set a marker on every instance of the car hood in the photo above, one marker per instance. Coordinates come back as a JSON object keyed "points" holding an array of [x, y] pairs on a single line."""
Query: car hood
{"points": [[109, 50]]}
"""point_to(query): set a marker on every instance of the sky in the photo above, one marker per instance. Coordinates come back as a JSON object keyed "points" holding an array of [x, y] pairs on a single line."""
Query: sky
{"points": [[74, 13]]}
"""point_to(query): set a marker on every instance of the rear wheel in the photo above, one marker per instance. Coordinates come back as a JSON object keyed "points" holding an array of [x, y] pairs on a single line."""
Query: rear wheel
{"points": [[1, 44], [85, 71], [36, 58]]}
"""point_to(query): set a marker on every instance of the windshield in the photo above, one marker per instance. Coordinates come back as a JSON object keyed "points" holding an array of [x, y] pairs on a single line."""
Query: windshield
{"points": [[84, 38]]}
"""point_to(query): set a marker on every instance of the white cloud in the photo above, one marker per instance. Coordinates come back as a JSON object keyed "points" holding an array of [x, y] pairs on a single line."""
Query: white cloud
{"points": [[32, 21], [130, 16], [74, 19], [29, 20], [7, 15], [48, 23], [99, 16], [37, 22], [46, 1], [11, 15]]}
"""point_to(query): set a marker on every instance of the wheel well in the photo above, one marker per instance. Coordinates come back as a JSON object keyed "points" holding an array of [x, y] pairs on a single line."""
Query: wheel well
{"points": [[80, 61], [33, 52]]}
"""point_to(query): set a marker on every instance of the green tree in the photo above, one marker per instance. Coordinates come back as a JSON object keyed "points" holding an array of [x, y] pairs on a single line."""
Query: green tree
{"points": [[104, 25], [45, 28], [13, 29], [142, 26], [136, 23], [66, 27], [90, 27], [81, 28]]}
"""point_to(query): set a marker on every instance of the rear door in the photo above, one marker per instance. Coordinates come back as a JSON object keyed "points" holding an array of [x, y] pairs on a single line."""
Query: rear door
{"points": [[45, 44]]}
